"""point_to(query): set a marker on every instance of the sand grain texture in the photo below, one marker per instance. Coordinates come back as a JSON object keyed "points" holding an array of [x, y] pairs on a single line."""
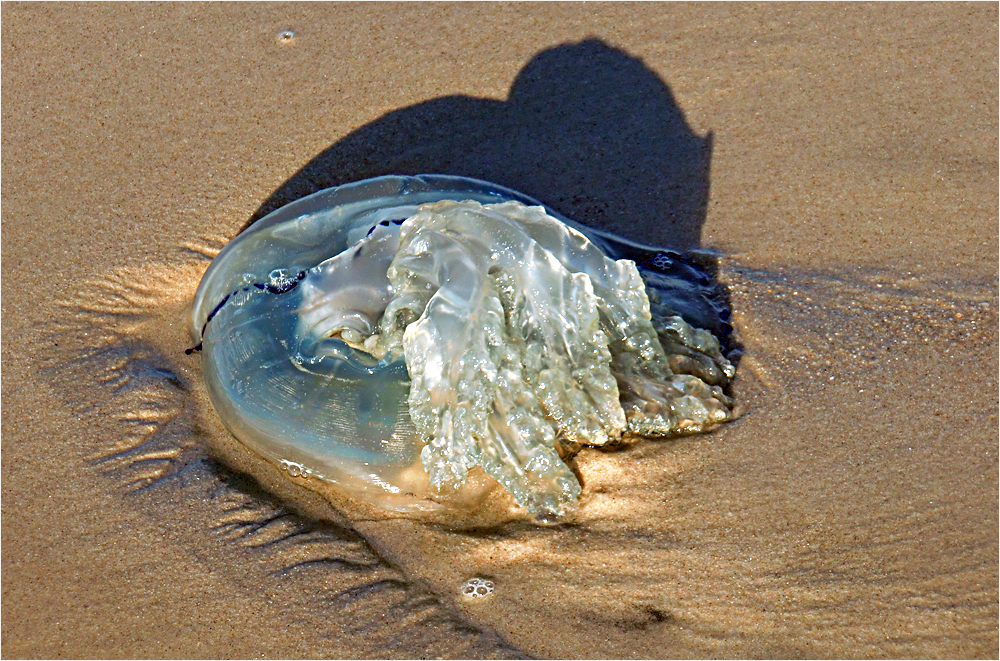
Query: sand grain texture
{"points": [[841, 158]]}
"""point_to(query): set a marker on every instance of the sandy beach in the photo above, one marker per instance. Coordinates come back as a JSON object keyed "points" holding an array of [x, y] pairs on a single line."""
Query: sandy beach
{"points": [[838, 162]]}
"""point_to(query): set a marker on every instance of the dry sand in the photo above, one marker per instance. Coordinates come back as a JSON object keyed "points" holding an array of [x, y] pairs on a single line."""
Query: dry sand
{"points": [[843, 159]]}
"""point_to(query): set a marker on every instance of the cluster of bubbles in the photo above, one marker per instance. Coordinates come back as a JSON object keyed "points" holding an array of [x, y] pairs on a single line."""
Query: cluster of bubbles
{"points": [[295, 469], [477, 588]]}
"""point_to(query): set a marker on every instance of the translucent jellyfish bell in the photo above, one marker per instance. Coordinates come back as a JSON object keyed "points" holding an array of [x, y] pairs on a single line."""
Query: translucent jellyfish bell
{"points": [[396, 335]]}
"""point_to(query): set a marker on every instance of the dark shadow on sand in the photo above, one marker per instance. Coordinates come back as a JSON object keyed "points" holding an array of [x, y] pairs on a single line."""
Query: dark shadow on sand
{"points": [[586, 129]]}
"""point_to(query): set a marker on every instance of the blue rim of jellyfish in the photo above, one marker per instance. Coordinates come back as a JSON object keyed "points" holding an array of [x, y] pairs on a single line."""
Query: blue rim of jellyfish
{"points": [[413, 190]]}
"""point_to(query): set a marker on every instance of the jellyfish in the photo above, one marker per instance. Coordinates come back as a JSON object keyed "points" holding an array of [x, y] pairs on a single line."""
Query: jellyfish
{"points": [[416, 341]]}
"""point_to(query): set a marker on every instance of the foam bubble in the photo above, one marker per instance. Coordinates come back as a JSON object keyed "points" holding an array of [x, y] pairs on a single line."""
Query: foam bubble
{"points": [[477, 588]]}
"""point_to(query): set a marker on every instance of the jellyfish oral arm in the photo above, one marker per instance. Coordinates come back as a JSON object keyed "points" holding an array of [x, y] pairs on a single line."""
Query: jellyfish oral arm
{"points": [[509, 347]]}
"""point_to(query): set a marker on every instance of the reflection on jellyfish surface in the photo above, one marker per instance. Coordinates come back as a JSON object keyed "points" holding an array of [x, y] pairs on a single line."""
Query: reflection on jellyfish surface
{"points": [[416, 341]]}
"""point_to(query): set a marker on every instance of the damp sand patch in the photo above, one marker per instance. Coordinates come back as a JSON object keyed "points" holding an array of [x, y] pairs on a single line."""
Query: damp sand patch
{"points": [[765, 537]]}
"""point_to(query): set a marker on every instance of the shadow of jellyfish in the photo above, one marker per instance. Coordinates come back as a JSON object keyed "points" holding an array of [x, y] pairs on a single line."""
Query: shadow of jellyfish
{"points": [[586, 129]]}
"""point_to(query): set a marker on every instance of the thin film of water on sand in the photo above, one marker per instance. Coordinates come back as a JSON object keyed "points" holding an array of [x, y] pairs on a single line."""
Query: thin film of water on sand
{"points": [[816, 522]]}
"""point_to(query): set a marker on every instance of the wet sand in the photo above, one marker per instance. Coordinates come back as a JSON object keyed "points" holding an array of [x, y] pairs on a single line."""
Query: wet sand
{"points": [[840, 159]]}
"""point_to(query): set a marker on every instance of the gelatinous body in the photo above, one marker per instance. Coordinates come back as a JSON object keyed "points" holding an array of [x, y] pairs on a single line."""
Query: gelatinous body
{"points": [[399, 335]]}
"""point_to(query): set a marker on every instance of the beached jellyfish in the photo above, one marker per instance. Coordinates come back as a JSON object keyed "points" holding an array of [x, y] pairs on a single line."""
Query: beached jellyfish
{"points": [[406, 337]]}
